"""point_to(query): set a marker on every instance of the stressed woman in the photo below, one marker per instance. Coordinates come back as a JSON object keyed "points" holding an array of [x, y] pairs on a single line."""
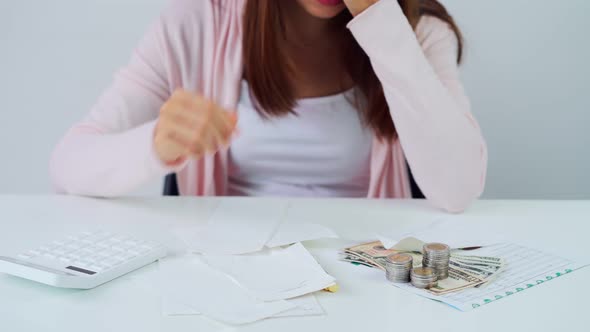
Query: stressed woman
{"points": [[314, 98]]}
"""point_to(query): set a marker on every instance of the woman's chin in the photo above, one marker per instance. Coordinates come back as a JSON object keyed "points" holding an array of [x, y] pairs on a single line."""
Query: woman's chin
{"points": [[325, 9]]}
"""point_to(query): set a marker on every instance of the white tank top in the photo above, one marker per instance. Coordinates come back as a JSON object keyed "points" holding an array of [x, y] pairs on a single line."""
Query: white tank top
{"points": [[323, 151]]}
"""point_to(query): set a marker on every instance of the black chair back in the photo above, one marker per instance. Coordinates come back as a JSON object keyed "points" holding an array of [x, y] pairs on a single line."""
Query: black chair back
{"points": [[171, 185], [416, 192]]}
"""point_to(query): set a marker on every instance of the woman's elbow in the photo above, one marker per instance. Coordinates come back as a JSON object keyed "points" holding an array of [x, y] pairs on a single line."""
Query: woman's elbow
{"points": [[69, 179], [457, 195], [455, 202]]}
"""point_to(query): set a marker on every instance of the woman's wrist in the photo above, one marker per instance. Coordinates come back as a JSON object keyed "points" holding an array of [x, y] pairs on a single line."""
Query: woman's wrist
{"points": [[358, 6]]}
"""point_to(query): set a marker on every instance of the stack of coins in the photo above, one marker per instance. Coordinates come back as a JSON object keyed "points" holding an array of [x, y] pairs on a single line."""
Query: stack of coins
{"points": [[398, 267], [437, 256], [423, 277]]}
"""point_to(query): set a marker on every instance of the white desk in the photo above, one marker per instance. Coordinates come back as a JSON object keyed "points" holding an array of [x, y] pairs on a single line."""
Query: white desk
{"points": [[363, 304]]}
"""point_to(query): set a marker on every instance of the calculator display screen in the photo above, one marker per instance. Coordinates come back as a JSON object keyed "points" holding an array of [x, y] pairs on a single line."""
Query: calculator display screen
{"points": [[78, 269]]}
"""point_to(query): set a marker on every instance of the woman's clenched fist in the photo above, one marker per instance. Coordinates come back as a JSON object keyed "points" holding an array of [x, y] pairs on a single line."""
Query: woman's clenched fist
{"points": [[190, 126]]}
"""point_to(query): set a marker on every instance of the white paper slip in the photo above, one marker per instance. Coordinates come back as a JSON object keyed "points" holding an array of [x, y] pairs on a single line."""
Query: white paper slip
{"points": [[238, 226], [306, 305], [291, 231], [274, 274], [185, 235], [455, 232], [405, 244], [170, 307], [526, 268], [194, 284]]}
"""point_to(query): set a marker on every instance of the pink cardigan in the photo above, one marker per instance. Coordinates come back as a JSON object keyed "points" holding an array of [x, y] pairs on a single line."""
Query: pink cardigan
{"points": [[197, 45]]}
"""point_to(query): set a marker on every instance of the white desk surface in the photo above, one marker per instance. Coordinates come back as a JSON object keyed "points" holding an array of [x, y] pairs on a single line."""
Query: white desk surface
{"points": [[364, 303]]}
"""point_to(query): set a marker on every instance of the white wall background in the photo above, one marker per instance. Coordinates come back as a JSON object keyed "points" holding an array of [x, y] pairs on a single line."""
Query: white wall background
{"points": [[526, 70], [528, 73]]}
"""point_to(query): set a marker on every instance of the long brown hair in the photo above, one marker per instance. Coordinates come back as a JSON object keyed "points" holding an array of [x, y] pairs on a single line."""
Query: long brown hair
{"points": [[267, 68]]}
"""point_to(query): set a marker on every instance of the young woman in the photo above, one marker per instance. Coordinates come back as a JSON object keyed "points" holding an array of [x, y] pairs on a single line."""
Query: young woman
{"points": [[322, 98]]}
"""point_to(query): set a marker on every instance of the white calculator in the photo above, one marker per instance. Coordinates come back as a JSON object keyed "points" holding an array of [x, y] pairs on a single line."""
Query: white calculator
{"points": [[83, 261]]}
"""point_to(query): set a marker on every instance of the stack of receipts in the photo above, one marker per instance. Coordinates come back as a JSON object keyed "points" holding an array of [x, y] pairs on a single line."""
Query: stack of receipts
{"points": [[244, 265]]}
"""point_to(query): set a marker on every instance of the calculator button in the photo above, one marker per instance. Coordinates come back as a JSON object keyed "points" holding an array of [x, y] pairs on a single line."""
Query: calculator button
{"points": [[67, 243], [47, 247], [91, 239], [75, 255], [96, 268], [104, 254], [95, 238], [90, 260], [84, 263], [125, 256], [130, 254], [138, 251], [73, 246], [111, 262], [104, 235], [117, 248], [131, 242], [86, 251], [120, 258], [96, 258], [49, 255], [149, 245], [120, 238], [104, 244], [120, 247]]}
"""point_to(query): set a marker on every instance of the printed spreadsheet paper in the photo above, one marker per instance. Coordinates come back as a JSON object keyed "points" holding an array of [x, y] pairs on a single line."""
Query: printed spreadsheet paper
{"points": [[526, 268]]}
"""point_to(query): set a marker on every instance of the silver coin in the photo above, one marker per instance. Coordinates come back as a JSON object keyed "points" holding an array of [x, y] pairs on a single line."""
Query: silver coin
{"points": [[423, 277], [437, 256], [423, 272], [397, 268], [400, 259], [436, 247]]}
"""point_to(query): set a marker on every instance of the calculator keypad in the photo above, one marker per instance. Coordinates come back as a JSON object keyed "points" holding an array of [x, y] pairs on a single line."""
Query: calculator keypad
{"points": [[92, 252]]}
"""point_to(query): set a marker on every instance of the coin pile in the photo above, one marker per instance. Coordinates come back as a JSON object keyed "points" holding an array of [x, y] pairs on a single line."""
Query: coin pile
{"points": [[398, 267], [423, 277], [437, 256]]}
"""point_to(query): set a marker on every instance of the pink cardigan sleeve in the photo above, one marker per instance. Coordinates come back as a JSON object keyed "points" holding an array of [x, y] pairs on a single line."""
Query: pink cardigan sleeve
{"points": [[110, 152], [419, 73]]}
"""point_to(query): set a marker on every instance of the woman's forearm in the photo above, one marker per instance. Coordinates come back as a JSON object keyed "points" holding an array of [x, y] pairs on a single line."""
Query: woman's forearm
{"points": [[441, 139]]}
